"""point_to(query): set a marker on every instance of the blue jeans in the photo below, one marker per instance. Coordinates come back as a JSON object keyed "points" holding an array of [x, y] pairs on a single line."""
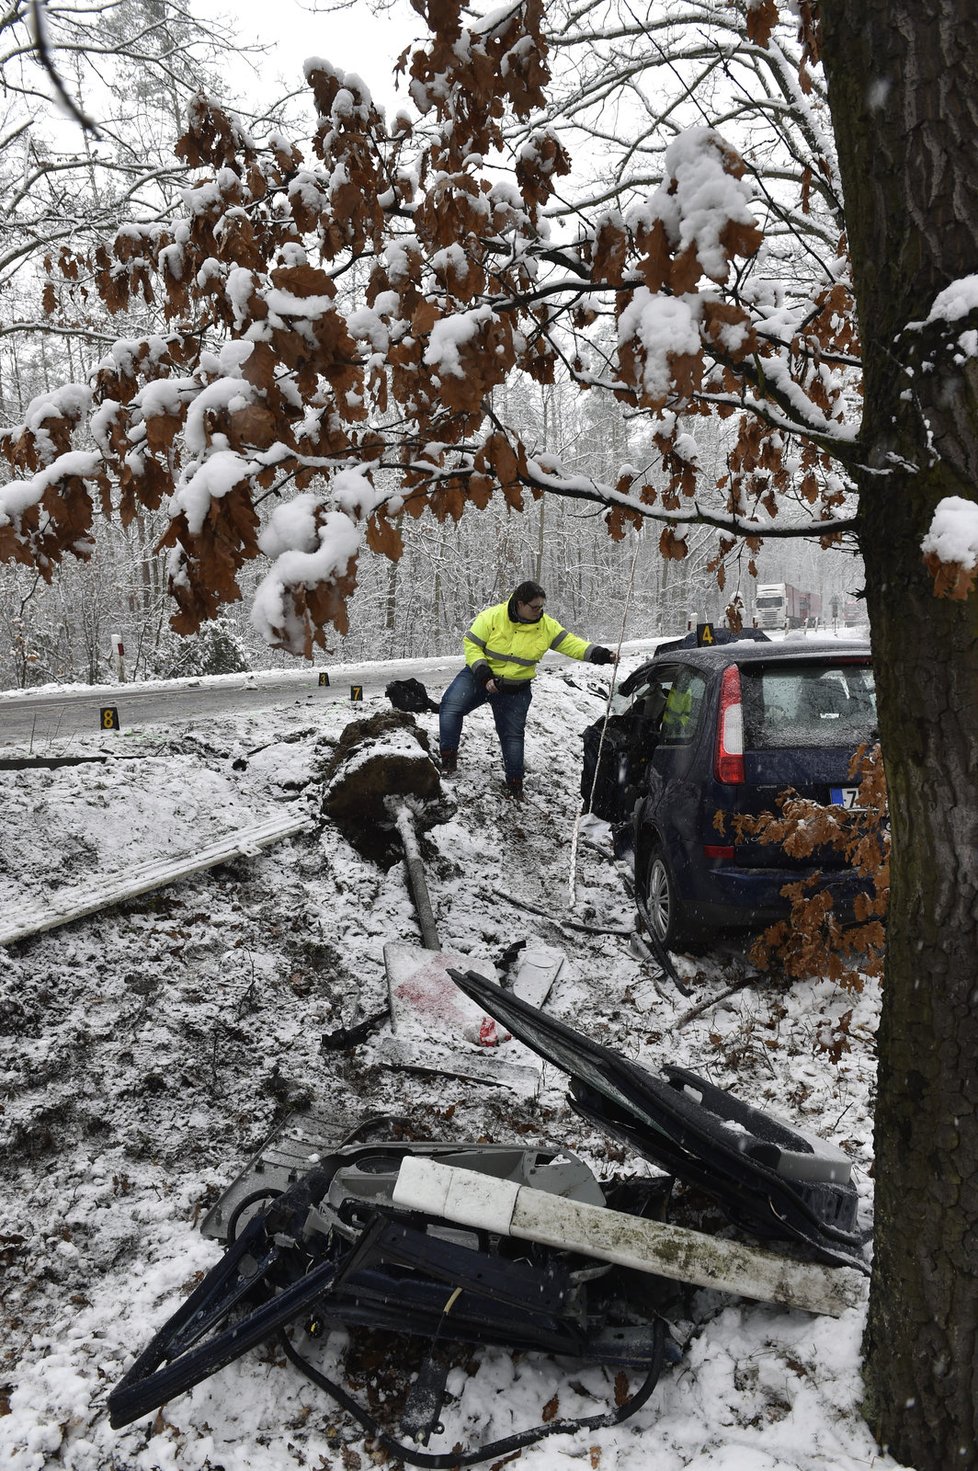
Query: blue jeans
{"points": [[509, 711]]}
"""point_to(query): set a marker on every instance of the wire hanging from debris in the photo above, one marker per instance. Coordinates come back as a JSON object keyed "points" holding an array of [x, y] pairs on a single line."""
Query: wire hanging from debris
{"points": [[584, 809]]}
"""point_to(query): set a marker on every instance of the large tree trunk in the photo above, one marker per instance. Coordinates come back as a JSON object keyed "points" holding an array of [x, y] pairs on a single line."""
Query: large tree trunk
{"points": [[905, 113]]}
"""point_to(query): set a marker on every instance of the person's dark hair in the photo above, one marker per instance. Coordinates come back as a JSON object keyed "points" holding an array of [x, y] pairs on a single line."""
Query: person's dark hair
{"points": [[526, 592]]}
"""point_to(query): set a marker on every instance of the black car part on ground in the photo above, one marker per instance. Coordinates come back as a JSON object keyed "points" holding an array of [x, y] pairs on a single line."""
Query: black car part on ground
{"points": [[329, 1249], [313, 1238], [769, 1178], [410, 696]]}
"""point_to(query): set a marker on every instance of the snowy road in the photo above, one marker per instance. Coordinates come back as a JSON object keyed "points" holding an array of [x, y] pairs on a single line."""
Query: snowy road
{"points": [[45, 722]]}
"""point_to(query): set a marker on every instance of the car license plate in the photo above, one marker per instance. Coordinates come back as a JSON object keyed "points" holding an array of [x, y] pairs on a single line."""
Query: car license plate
{"points": [[847, 797]]}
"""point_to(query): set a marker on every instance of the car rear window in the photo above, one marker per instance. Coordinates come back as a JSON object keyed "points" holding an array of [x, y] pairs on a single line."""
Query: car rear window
{"points": [[808, 705]]}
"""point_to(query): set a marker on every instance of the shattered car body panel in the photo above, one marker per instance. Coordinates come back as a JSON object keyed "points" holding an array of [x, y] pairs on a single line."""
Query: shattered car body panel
{"points": [[316, 1240], [769, 1177], [313, 1240]]}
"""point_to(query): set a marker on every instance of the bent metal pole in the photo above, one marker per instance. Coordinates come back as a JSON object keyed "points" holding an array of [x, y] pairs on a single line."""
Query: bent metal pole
{"points": [[404, 821]]}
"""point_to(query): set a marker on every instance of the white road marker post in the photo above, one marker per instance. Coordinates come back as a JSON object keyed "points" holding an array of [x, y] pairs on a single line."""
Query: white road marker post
{"points": [[471, 1199]]}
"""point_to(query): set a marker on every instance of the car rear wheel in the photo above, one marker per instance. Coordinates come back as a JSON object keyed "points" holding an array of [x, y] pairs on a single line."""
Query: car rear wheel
{"points": [[667, 916]]}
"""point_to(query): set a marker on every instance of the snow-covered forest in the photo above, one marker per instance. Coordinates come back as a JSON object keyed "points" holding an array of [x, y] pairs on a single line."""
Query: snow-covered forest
{"points": [[134, 65]]}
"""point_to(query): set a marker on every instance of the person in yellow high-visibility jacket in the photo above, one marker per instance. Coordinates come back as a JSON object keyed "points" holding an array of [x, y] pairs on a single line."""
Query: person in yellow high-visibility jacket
{"points": [[502, 650], [677, 713]]}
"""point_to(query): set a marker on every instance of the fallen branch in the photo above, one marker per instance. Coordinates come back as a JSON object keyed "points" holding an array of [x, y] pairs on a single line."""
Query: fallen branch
{"points": [[698, 1010], [561, 924]]}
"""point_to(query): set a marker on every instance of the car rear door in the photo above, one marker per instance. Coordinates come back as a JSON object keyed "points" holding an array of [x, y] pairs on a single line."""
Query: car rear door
{"points": [[675, 772], [625, 741], [803, 722]]}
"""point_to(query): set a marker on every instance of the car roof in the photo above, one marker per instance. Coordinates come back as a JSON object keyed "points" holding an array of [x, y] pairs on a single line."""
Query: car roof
{"points": [[748, 651]]}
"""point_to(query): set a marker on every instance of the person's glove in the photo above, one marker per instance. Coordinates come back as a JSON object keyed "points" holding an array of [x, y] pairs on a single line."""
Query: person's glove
{"points": [[600, 655], [484, 675]]}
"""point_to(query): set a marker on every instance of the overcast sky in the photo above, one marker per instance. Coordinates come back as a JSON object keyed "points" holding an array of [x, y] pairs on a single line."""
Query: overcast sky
{"points": [[354, 40]]}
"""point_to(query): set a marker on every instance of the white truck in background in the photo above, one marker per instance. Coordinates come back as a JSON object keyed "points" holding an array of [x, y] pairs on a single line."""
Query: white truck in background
{"points": [[780, 605]]}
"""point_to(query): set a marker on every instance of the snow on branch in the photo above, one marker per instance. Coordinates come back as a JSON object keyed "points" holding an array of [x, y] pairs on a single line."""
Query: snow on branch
{"points": [[340, 323], [950, 547]]}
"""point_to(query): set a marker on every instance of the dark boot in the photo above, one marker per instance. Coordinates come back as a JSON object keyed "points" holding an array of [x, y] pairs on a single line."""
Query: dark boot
{"points": [[514, 788], [449, 762]]}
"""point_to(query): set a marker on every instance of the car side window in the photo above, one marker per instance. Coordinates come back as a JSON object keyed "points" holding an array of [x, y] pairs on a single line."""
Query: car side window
{"points": [[684, 705], [646, 701]]}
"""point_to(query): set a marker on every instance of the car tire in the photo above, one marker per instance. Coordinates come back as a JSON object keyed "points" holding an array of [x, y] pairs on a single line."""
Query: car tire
{"points": [[666, 912]]}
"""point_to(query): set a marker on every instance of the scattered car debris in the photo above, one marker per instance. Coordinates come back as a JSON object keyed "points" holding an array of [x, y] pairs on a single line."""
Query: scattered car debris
{"points": [[325, 1244], [772, 1179], [538, 968], [487, 1244], [457, 1194], [436, 1028], [448, 1060], [425, 1001]]}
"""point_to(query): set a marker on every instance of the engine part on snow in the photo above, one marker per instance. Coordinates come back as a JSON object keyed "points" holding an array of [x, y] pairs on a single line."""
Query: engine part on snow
{"points": [[770, 1177], [457, 1195], [334, 1249]]}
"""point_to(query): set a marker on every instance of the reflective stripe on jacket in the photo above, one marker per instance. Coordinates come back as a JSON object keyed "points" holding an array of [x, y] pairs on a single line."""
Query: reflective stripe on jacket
{"points": [[512, 650]]}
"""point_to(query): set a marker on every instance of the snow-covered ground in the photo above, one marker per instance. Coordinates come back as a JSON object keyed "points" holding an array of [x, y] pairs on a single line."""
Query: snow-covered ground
{"points": [[147, 1051]]}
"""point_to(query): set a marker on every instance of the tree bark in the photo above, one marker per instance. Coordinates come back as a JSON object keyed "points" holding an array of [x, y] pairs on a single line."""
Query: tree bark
{"points": [[905, 114]]}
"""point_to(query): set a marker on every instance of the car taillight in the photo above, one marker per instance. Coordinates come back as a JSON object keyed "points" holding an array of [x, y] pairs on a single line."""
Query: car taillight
{"points": [[728, 763]]}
